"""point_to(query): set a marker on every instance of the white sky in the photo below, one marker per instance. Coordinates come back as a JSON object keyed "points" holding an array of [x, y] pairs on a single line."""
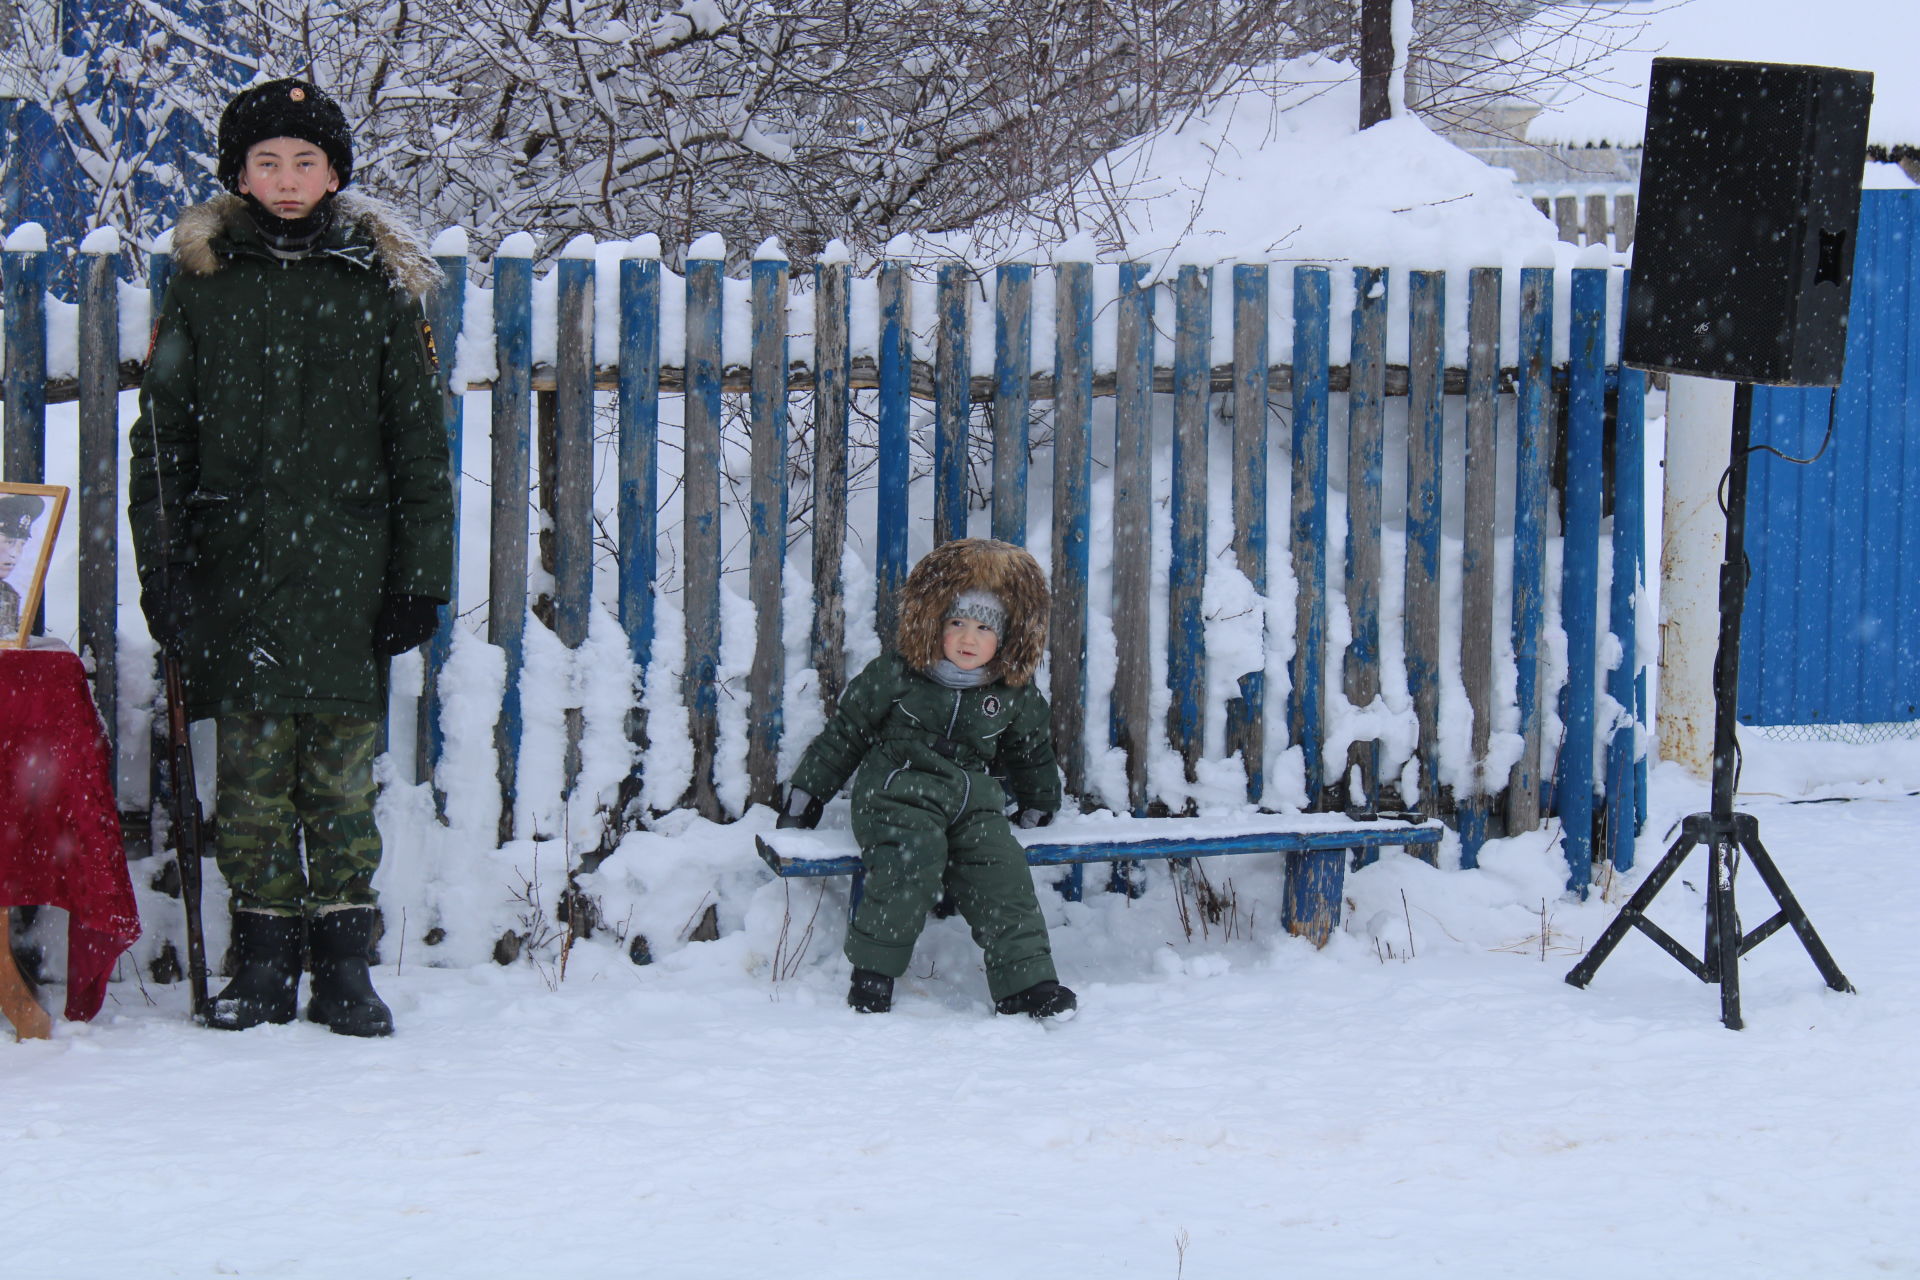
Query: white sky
{"points": [[1881, 36]]}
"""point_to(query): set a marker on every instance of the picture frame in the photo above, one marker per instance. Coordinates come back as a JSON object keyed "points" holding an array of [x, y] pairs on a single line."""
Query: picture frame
{"points": [[30, 519]]}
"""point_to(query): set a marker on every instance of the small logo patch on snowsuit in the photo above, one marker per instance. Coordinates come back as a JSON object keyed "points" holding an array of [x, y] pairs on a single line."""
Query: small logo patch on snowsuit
{"points": [[990, 706]]}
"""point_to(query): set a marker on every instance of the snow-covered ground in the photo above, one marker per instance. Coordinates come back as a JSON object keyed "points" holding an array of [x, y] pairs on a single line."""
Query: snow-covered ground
{"points": [[1425, 1097]]}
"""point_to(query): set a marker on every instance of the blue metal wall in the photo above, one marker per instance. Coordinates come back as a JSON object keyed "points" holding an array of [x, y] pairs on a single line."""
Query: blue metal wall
{"points": [[1832, 628]]}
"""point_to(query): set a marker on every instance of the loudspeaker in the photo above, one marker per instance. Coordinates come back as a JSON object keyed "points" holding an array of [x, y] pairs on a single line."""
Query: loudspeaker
{"points": [[1749, 199]]}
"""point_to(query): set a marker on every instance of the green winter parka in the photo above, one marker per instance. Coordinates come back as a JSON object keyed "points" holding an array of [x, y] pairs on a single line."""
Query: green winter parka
{"points": [[915, 741], [292, 421]]}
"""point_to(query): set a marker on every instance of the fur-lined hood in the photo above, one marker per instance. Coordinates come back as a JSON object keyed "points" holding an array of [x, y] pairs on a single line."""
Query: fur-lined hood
{"points": [[977, 564], [360, 222]]}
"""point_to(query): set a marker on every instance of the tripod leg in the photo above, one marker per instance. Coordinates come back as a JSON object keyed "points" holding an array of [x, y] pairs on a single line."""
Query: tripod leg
{"points": [[1581, 974], [1796, 915], [1723, 932]]}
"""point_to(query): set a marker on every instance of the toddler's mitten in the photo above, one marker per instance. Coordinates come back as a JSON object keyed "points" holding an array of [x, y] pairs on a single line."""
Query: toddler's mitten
{"points": [[800, 810]]}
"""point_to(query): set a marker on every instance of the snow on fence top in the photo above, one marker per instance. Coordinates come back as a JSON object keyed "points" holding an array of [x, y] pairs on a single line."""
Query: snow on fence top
{"points": [[473, 346]]}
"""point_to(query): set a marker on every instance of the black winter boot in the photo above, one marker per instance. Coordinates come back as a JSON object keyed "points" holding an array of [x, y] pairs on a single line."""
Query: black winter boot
{"points": [[1046, 999], [870, 993], [344, 1000], [266, 981]]}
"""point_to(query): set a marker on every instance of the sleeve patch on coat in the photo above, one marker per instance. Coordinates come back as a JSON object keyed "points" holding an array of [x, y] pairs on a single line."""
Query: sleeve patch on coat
{"points": [[428, 347]]}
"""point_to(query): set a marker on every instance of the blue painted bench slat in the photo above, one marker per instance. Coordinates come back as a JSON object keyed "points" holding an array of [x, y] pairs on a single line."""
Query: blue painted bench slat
{"points": [[1317, 848]]}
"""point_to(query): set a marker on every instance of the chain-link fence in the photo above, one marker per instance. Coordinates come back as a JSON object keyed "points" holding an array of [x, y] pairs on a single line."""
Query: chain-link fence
{"points": [[1861, 734]]}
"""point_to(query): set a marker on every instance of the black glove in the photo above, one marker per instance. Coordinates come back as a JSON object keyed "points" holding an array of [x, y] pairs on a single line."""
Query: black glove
{"points": [[169, 608], [800, 810], [404, 622], [1030, 818]]}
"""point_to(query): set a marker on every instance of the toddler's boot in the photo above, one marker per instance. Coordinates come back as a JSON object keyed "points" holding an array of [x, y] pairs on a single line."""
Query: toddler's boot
{"points": [[870, 993], [1046, 999], [344, 1000], [266, 979]]}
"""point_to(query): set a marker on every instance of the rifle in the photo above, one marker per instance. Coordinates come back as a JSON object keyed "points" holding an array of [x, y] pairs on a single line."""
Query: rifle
{"points": [[184, 803], [184, 806]]}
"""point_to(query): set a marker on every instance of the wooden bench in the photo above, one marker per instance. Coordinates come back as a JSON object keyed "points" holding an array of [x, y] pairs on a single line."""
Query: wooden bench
{"points": [[1318, 847]]}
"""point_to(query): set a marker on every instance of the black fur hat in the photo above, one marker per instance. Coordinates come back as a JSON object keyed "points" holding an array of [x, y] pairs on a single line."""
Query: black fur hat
{"points": [[18, 511], [283, 109]]}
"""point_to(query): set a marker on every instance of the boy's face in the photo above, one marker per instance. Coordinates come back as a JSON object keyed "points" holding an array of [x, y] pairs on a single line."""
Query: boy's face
{"points": [[11, 549], [288, 176], [969, 644]]}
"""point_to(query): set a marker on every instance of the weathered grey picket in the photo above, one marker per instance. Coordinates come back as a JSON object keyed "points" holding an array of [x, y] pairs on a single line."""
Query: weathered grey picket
{"points": [[561, 398]]}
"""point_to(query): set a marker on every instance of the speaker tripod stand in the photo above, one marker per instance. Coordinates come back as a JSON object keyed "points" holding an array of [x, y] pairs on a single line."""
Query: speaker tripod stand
{"points": [[1727, 837]]}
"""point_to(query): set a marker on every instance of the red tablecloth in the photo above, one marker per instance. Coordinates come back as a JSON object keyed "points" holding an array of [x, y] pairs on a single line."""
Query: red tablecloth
{"points": [[60, 839]]}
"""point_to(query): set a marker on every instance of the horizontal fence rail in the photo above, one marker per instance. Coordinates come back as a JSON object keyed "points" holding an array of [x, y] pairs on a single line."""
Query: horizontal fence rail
{"points": [[698, 454]]}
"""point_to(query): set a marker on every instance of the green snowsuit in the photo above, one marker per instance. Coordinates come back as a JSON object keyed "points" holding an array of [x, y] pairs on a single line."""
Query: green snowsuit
{"points": [[929, 814]]}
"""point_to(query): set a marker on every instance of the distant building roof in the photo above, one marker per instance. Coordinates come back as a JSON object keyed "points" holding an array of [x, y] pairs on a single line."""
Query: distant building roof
{"points": [[1881, 36]]}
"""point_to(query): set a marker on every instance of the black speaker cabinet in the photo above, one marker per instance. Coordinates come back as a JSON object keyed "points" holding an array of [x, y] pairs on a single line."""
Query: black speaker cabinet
{"points": [[1749, 199]]}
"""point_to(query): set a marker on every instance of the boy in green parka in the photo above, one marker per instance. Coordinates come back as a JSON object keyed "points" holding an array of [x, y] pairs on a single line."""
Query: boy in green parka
{"points": [[924, 731], [292, 514]]}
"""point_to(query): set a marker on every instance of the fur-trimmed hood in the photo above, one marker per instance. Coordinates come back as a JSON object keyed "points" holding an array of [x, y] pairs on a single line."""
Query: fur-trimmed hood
{"points": [[969, 564], [360, 221]]}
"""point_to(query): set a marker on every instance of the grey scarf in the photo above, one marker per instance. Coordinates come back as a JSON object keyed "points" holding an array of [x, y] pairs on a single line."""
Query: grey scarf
{"points": [[945, 673]]}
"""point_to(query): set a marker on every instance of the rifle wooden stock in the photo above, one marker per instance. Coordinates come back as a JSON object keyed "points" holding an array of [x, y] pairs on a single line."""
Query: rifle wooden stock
{"points": [[187, 835]]}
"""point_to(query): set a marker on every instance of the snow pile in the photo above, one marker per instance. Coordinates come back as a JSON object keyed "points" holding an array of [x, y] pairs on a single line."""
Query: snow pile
{"points": [[1296, 181]]}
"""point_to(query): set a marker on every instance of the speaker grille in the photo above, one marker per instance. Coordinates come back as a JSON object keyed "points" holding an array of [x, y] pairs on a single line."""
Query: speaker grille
{"points": [[1749, 170]]}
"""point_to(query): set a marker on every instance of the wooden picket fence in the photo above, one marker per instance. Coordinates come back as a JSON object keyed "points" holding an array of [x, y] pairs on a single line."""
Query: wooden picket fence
{"points": [[1577, 424]]}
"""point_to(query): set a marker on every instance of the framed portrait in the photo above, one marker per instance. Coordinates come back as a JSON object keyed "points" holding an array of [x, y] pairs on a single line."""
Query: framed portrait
{"points": [[30, 516]]}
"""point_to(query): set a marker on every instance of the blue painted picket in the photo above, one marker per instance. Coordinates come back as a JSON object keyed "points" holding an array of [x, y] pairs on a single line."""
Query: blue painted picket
{"points": [[1480, 489], [23, 453], [1366, 486], [1156, 411], [1247, 714], [767, 527], [639, 452], [447, 317], [1580, 568], [895, 434], [573, 452], [952, 402], [1626, 783], [700, 523], [512, 439], [1192, 410], [1307, 699], [1533, 454], [1426, 361], [1012, 376], [1072, 516], [1132, 731]]}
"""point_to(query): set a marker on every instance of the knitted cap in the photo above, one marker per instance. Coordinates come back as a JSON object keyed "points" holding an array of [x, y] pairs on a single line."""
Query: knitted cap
{"points": [[983, 607], [283, 109], [18, 511]]}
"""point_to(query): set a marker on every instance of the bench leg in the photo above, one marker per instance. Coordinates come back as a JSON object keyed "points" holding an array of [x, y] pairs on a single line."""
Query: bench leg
{"points": [[1316, 885], [1124, 877], [1475, 813], [1073, 885]]}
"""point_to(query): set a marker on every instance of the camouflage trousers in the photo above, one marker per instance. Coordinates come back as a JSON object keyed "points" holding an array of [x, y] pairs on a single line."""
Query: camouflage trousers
{"points": [[284, 776]]}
